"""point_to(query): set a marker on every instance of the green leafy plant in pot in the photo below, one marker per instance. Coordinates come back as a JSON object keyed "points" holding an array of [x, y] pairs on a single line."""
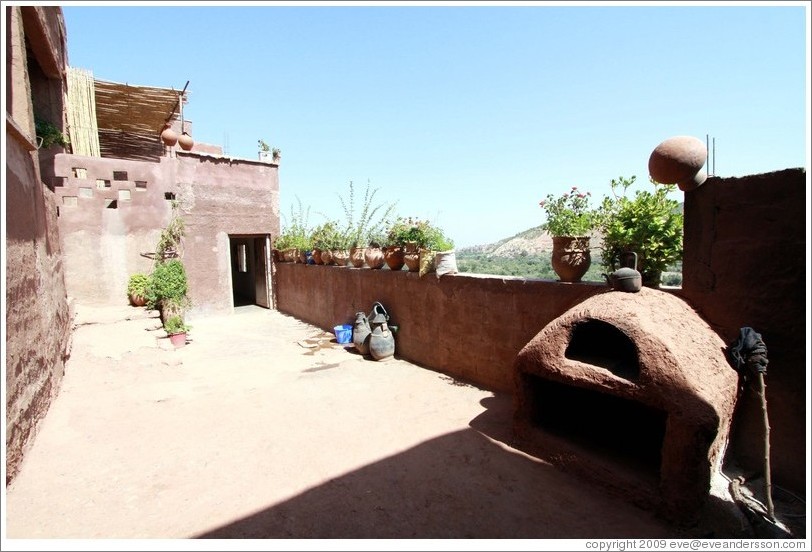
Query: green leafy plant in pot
{"points": [[176, 329], [137, 287], [168, 288], [569, 221], [649, 224]]}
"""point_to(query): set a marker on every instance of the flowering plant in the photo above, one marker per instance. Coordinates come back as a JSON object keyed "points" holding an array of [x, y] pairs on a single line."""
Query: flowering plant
{"points": [[568, 214]]}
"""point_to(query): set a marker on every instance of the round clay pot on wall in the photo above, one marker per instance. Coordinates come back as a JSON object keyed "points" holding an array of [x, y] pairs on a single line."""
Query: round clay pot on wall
{"points": [[186, 142], [571, 257], [393, 256], [341, 257], [679, 160], [374, 258], [327, 257], [357, 256], [411, 257], [169, 137]]}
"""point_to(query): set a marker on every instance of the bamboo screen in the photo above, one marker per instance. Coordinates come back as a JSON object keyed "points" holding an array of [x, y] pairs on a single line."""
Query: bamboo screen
{"points": [[128, 118], [81, 112]]}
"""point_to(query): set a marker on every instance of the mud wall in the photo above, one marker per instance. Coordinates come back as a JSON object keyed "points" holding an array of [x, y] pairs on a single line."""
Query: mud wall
{"points": [[221, 197], [112, 212], [38, 316], [468, 326], [745, 265]]}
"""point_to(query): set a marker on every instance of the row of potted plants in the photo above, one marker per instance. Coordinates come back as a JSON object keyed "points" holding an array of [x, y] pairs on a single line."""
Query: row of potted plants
{"points": [[372, 236], [643, 231]]}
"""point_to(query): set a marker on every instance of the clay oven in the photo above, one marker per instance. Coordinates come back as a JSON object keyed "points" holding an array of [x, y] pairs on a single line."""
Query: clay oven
{"points": [[632, 390]]}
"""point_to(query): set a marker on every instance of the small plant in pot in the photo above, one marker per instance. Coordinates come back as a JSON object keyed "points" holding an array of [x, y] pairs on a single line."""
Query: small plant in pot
{"points": [[176, 329], [137, 289]]}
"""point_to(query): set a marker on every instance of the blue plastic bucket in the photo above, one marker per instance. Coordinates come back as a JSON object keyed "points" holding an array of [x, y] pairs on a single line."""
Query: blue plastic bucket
{"points": [[343, 333]]}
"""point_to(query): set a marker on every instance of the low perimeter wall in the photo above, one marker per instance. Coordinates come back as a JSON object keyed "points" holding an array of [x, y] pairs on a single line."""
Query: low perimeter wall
{"points": [[466, 325]]}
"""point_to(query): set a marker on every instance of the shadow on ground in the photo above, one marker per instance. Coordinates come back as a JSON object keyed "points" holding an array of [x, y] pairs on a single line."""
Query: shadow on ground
{"points": [[460, 485]]}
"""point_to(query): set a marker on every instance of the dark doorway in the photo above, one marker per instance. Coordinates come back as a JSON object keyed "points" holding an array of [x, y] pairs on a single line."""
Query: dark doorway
{"points": [[249, 270]]}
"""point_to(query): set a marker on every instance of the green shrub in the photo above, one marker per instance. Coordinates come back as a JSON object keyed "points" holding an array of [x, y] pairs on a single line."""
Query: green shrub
{"points": [[137, 285], [649, 224], [175, 325], [167, 283]]}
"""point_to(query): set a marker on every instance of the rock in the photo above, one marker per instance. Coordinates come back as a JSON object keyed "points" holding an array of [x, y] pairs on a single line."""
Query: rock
{"points": [[679, 160]]}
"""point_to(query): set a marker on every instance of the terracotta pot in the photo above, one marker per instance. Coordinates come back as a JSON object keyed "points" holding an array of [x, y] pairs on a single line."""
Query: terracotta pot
{"points": [[327, 257], [393, 256], [137, 300], [374, 258], [186, 142], [341, 257], [169, 137], [316, 256], [178, 339], [357, 256], [571, 257], [411, 257]]}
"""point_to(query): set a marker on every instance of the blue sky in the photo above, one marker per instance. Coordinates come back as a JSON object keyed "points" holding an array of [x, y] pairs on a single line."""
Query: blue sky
{"points": [[467, 115]]}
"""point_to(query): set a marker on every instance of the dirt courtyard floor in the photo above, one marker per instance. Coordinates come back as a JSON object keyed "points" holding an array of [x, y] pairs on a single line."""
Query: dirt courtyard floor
{"points": [[263, 427]]}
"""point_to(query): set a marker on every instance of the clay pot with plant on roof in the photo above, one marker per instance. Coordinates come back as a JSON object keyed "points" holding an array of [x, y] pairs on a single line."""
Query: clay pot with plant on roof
{"points": [[569, 221]]}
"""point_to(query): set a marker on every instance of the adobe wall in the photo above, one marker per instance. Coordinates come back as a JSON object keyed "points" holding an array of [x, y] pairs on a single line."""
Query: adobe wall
{"points": [[38, 316], [465, 325], [745, 265], [221, 196], [112, 212]]}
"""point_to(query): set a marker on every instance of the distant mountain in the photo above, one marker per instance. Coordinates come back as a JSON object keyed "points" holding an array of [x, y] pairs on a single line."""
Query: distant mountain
{"points": [[534, 241]]}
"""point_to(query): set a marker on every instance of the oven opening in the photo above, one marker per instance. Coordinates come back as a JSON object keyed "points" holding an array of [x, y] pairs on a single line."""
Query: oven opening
{"points": [[600, 344], [621, 431]]}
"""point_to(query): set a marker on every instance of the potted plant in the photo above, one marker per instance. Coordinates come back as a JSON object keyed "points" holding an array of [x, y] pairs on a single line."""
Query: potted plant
{"points": [[137, 289], [294, 241], [570, 221], [48, 134], [171, 238], [371, 220], [648, 224], [176, 329], [373, 254], [167, 289]]}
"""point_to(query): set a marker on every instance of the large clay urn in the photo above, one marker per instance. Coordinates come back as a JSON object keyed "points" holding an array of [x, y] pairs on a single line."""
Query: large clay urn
{"points": [[361, 332], [679, 160], [571, 257]]}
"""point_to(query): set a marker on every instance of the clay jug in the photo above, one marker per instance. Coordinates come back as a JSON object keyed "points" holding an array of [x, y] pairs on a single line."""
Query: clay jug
{"points": [[381, 340], [360, 333], [169, 137]]}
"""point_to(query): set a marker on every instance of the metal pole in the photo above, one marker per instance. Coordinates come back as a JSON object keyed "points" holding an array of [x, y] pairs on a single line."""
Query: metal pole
{"points": [[707, 161], [714, 156]]}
